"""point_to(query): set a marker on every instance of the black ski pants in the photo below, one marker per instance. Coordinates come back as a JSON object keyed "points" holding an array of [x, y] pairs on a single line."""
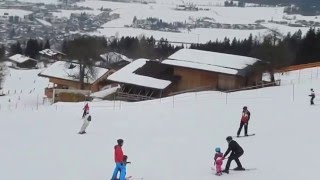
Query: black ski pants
{"points": [[234, 156], [311, 100], [245, 128]]}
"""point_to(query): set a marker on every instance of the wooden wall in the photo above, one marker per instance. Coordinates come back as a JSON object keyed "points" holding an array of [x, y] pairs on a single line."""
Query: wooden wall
{"points": [[199, 79], [192, 78], [75, 85]]}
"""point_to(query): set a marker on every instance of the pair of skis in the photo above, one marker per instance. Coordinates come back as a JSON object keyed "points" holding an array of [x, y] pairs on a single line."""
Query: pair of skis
{"points": [[134, 178], [243, 136], [246, 169]]}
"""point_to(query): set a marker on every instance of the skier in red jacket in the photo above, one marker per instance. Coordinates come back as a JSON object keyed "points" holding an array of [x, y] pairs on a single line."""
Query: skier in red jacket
{"points": [[244, 121], [85, 110], [118, 158]]}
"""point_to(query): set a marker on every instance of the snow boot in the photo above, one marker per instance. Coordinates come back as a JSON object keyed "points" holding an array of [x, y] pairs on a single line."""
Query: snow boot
{"points": [[239, 169], [225, 171]]}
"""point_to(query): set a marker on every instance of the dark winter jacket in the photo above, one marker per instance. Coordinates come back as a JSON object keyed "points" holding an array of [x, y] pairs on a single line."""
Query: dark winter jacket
{"points": [[312, 94], [234, 147]]}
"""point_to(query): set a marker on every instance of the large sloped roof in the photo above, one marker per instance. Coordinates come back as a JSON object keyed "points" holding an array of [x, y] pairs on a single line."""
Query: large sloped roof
{"points": [[62, 70], [127, 75], [19, 58], [210, 61], [50, 52]]}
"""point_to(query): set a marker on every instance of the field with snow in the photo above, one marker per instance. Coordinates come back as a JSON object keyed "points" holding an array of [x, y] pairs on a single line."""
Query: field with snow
{"points": [[67, 13], [172, 138], [40, 1], [164, 9], [14, 12]]}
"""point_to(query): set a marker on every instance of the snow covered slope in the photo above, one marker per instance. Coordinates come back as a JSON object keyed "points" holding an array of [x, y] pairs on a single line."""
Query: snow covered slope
{"points": [[167, 139]]}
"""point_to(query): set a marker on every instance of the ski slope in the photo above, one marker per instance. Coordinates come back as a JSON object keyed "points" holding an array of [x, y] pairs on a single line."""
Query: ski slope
{"points": [[169, 139]]}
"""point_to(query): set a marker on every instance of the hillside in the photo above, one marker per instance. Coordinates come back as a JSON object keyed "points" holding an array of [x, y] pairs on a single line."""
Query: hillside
{"points": [[172, 138]]}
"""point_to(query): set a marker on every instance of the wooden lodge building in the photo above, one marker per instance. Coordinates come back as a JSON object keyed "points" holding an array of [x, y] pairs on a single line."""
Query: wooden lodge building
{"points": [[65, 75], [21, 61], [184, 71]]}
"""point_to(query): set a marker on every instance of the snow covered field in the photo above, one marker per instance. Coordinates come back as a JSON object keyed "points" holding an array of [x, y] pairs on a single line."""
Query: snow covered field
{"points": [[165, 10], [14, 12], [41, 1], [172, 138], [67, 13]]}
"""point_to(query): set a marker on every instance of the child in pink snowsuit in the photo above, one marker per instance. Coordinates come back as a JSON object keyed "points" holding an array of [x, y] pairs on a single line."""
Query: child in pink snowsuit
{"points": [[218, 160]]}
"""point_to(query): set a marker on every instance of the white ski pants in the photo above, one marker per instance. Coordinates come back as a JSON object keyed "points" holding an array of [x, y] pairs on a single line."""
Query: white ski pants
{"points": [[84, 125]]}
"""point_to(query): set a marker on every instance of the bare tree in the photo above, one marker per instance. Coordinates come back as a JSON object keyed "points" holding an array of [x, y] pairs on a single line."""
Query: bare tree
{"points": [[86, 50]]}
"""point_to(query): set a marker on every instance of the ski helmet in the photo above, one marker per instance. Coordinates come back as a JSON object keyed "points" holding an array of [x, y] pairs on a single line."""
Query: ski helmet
{"points": [[218, 149], [245, 107], [120, 141], [229, 138]]}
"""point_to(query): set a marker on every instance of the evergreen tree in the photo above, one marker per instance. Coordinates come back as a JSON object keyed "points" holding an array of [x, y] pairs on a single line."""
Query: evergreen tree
{"points": [[2, 66], [47, 44], [64, 47], [15, 49], [2, 53], [32, 48], [307, 50]]}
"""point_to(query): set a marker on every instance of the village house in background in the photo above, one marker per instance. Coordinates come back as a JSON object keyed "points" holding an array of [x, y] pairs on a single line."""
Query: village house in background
{"points": [[21, 61], [51, 55], [113, 60]]}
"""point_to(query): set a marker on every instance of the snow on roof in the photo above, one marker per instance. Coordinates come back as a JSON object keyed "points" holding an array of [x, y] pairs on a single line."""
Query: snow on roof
{"points": [[50, 52], [60, 69], [127, 75], [105, 92], [205, 67], [43, 22], [210, 61], [114, 57], [19, 58]]}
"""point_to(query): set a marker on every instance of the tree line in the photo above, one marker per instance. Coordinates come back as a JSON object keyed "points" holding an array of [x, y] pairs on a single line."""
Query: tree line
{"points": [[306, 7], [293, 49], [32, 48], [2, 55]]}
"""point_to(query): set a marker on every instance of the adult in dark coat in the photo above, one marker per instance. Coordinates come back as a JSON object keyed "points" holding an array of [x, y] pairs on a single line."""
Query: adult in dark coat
{"points": [[236, 151], [312, 95]]}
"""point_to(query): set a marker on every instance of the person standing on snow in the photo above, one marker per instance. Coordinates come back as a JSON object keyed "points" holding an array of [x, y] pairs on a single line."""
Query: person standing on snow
{"points": [[312, 95], [236, 152], [244, 121], [85, 109], [218, 160], [118, 158], [124, 166], [86, 122]]}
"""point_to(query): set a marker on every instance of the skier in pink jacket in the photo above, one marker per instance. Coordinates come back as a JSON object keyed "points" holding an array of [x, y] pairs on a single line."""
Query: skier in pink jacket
{"points": [[218, 161]]}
